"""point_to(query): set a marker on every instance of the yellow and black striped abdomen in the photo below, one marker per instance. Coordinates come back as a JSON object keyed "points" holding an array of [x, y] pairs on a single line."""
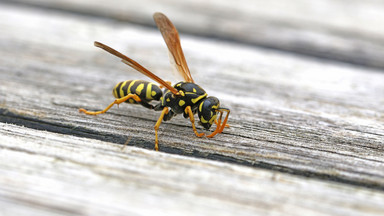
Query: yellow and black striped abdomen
{"points": [[147, 91]]}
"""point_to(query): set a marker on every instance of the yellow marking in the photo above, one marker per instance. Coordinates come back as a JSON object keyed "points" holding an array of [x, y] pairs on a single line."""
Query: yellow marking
{"points": [[194, 90], [181, 103], [121, 89], [181, 93], [130, 85], [168, 100], [178, 85], [201, 107], [203, 120], [215, 107], [139, 88], [114, 90], [194, 100], [153, 93], [149, 91], [212, 119]]}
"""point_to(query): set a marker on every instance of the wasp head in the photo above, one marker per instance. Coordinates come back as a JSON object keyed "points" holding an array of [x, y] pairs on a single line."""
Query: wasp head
{"points": [[207, 111]]}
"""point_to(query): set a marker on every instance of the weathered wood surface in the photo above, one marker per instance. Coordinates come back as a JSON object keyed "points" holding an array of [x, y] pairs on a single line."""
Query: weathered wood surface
{"points": [[55, 174], [319, 119], [349, 31]]}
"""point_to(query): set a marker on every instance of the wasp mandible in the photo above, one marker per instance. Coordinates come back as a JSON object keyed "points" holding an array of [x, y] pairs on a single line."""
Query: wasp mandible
{"points": [[184, 97]]}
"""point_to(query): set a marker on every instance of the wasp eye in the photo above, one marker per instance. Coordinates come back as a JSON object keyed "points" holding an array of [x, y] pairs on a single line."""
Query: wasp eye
{"points": [[208, 111]]}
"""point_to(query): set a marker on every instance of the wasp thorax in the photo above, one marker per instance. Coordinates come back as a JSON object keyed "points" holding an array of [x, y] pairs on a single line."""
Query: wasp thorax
{"points": [[208, 111]]}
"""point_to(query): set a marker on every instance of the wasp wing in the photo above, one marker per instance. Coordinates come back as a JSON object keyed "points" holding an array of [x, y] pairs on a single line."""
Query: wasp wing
{"points": [[172, 39], [125, 59]]}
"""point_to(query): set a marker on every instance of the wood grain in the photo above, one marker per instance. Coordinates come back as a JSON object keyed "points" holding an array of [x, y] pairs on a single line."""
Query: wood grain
{"points": [[44, 173], [287, 112], [319, 120], [331, 29]]}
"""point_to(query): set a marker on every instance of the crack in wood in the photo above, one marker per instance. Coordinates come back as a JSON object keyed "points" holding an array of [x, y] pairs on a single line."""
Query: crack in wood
{"points": [[9, 117]]}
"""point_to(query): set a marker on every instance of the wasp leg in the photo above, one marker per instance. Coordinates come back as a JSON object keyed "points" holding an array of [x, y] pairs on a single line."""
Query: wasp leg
{"points": [[220, 128], [188, 110], [117, 101], [157, 125], [217, 124]]}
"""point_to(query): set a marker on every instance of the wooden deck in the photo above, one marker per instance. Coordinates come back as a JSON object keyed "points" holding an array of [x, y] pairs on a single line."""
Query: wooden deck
{"points": [[304, 83]]}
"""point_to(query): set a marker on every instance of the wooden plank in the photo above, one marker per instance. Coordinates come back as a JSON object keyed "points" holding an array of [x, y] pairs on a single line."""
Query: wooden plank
{"points": [[292, 114], [44, 173], [332, 29]]}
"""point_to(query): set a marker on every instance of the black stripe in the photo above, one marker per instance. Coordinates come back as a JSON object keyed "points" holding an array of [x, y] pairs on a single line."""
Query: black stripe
{"points": [[143, 93], [118, 89], [125, 87], [136, 84]]}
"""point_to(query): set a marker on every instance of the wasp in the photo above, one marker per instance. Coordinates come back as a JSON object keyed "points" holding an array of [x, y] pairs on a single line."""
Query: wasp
{"points": [[185, 97]]}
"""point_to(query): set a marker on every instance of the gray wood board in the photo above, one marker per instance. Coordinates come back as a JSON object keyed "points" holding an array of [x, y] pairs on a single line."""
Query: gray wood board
{"points": [[44, 173], [293, 114], [349, 31]]}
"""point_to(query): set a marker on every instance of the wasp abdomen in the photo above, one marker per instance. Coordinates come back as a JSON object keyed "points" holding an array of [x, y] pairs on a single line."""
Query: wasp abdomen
{"points": [[147, 91]]}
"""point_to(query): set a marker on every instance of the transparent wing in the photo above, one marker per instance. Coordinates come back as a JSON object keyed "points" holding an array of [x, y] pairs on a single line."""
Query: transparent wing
{"points": [[136, 66], [171, 38]]}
